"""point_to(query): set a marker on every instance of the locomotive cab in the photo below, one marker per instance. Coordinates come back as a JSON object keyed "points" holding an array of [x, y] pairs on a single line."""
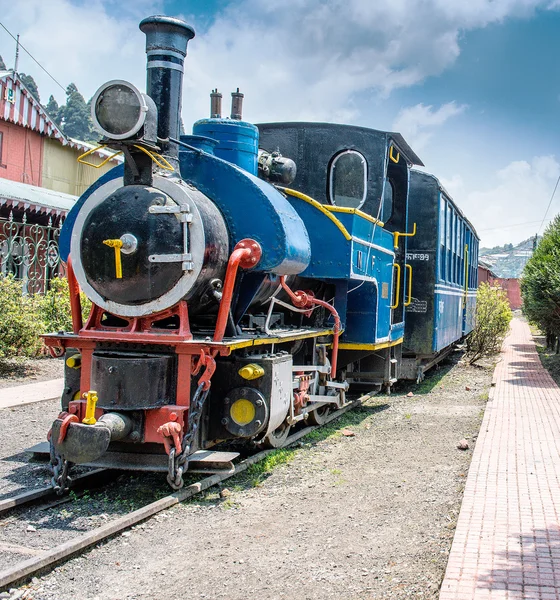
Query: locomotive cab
{"points": [[358, 178]]}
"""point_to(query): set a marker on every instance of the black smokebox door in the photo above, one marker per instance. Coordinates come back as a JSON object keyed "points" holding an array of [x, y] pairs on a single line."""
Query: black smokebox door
{"points": [[127, 212]]}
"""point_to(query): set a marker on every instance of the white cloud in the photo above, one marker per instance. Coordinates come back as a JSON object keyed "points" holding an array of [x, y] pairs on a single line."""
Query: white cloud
{"points": [[298, 59], [512, 208], [80, 43], [417, 123]]}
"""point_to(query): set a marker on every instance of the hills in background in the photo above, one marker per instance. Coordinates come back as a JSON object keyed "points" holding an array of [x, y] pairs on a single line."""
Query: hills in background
{"points": [[508, 260]]}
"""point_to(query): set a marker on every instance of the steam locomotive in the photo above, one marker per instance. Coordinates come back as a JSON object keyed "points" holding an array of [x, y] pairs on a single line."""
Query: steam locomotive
{"points": [[242, 277]]}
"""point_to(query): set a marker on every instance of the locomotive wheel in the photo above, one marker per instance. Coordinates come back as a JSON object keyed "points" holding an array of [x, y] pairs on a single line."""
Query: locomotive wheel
{"points": [[277, 438], [319, 415]]}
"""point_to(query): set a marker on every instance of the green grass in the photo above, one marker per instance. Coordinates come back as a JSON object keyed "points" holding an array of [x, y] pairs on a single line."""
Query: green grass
{"points": [[258, 472], [434, 376], [352, 418], [550, 361]]}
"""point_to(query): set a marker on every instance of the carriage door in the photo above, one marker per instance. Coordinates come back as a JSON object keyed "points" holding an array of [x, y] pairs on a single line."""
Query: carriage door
{"points": [[465, 246], [393, 214]]}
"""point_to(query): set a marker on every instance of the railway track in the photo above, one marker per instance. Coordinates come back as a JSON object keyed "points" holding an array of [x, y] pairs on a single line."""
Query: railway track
{"points": [[23, 570]]}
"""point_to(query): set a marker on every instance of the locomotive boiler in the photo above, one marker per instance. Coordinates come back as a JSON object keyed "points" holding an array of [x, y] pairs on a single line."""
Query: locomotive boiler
{"points": [[240, 277]]}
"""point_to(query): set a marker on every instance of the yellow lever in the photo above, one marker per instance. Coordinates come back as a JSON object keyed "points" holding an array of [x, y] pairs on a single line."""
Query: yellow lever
{"points": [[397, 235], [117, 245], [91, 398]]}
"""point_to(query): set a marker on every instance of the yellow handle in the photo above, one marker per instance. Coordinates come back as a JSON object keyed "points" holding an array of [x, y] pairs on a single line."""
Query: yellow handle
{"points": [[409, 299], [91, 397], [397, 234], [80, 159], [157, 158], [117, 245], [397, 295], [391, 155]]}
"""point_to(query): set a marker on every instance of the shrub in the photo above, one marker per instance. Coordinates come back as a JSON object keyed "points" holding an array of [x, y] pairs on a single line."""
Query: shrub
{"points": [[19, 325], [492, 318], [24, 318], [54, 307]]}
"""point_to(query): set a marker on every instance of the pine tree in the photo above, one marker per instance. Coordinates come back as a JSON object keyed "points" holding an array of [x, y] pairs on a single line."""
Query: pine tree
{"points": [[540, 284], [54, 111], [30, 84], [76, 115], [2, 65]]}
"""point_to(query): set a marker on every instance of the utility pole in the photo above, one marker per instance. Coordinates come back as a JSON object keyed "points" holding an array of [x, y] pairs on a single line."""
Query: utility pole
{"points": [[17, 54]]}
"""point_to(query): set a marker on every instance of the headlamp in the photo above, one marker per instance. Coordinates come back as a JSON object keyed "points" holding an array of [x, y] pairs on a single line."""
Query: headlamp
{"points": [[119, 109]]}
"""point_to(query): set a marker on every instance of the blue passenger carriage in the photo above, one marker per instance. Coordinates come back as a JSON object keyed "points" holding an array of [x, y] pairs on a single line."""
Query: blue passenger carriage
{"points": [[444, 256]]}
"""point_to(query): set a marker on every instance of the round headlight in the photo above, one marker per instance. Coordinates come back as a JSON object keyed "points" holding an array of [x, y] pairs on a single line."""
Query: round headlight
{"points": [[118, 110]]}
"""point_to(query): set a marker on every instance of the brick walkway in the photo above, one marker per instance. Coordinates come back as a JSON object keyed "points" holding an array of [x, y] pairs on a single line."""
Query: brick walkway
{"points": [[507, 542]]}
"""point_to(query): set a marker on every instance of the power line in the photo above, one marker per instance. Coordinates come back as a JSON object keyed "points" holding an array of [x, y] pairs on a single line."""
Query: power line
{"points": [[549, 204], [31, 55], [511, 226]]}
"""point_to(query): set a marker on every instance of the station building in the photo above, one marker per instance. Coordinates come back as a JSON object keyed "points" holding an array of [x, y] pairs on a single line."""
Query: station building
{"points": [[40, 180]]}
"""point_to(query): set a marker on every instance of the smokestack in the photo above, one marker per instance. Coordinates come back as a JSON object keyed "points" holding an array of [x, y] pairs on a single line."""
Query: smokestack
{"points": [[237, 105], [166, 48], [215, 104]]}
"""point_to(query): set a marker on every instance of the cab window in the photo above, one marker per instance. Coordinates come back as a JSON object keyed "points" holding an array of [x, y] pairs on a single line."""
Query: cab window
{"points": [[348, 179]]}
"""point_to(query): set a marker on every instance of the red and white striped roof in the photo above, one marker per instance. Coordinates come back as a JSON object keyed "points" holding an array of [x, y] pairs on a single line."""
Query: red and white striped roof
{"points": [[25, 110]]}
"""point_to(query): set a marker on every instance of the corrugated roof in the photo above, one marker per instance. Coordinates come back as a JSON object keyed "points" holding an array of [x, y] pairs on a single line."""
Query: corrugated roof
{"points": [[31, 196], [19, 106]]}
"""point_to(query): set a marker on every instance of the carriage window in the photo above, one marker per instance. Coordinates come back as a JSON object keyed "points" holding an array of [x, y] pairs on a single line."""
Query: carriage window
{"points": [[348, 179], [387, 205]]}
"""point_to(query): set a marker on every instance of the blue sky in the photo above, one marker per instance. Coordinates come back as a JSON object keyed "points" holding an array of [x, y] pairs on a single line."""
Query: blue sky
{"points": [[474, 87]]}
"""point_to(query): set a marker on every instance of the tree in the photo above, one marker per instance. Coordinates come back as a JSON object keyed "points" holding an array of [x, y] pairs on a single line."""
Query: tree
{"points": [[30, 84], [2, 65], [540, 284], [76, 116], [492, 318], [54, 110]]}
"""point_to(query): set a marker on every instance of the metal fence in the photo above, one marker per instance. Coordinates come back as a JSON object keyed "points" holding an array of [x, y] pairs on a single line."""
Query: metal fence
{"points": [[30, 252]]}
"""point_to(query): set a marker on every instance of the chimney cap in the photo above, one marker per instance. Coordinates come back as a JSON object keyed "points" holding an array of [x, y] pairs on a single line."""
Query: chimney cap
{"points": [[165, 25]]}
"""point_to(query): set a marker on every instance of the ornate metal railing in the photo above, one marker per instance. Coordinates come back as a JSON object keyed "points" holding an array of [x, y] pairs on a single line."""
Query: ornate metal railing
{"points": [[30, 252]]}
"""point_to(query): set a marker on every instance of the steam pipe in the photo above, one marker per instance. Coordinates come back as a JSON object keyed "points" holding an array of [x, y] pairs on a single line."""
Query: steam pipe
{"points": [[166, 49]]}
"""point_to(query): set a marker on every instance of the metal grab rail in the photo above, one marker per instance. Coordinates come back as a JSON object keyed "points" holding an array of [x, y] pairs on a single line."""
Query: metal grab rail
{"points": [[397, 235], [466, 287], [409, 299], [398, 293]]}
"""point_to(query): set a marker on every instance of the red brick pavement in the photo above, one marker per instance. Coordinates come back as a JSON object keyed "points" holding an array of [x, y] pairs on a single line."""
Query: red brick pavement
{"points": [[507, 542]]}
